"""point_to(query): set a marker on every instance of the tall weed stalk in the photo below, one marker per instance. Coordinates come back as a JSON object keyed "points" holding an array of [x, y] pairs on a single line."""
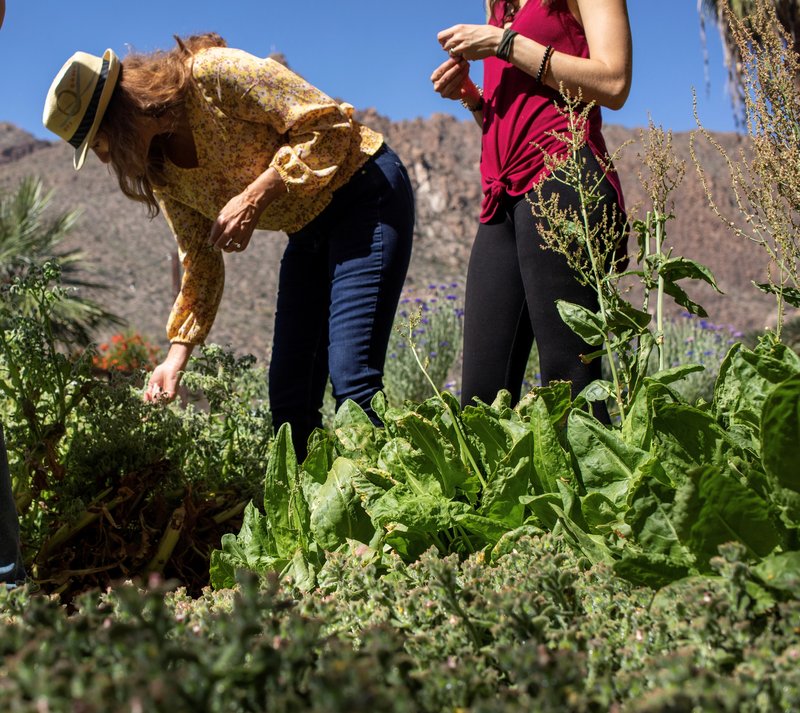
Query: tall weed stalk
{"points": [[619, 331], [764, 179]]}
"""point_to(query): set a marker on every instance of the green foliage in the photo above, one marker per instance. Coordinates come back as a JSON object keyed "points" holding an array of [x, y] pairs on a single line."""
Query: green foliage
{"points": [[539, 630], [655, 498]]}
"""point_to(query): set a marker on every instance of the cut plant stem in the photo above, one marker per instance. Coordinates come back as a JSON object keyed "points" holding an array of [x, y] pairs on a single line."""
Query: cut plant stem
{"points": [[168, 540]]}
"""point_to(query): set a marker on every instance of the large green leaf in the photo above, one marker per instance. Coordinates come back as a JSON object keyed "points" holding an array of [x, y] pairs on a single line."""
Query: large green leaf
{"points": [[685, 438], [423, 435], [284, 504], [488, 531], [588, 325], [357, 435], [745, 380], [637, 428], [712, 507], [650, 569], [420, 513], [406, 464], [606, 463], [253, 548], [336, 512], [510, 480], [780, 434], [485, 432], [652, 521], [550, 461]]}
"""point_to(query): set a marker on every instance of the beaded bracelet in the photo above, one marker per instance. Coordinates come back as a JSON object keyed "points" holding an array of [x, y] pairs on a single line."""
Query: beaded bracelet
{"points": [[548, 52], [478, 106], [503, 50]]}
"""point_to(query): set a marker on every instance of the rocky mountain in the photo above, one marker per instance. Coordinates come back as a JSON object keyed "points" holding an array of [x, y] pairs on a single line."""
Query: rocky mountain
{"points": [[133, 255]]}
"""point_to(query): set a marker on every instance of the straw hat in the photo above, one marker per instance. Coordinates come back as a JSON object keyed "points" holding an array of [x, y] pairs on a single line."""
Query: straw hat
{"points": [[78, 97]]}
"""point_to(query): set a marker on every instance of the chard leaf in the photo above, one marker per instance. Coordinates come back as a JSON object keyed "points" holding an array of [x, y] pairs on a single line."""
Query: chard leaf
{"points": [[407, 465], [557, 398], [301, 571], [650, 517], [485, 432], [713, 507], [601, 514], [542, 507], [357, 435], [606, 464], [685, 437], [510, 480], [592, 546], [650, 569], [550, 461], [253, 548], [745, 380], [420, 513], [489, 530], [284, 504], [423, 435], [780, 434], [336, 512]]}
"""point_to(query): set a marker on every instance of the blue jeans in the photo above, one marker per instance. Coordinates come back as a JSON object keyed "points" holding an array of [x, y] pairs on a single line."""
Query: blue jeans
{"points": [[11, 569], [339, 285]]}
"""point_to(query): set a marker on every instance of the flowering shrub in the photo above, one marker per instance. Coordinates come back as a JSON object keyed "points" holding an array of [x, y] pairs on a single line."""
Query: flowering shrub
{"points": [[126, 352]]}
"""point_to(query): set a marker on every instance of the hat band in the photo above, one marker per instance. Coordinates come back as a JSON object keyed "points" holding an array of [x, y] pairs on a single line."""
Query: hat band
{"points": [[91, 110]]}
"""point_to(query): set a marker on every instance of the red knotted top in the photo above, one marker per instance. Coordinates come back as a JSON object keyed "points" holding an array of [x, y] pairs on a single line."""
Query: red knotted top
{"points": [[519, 112]]}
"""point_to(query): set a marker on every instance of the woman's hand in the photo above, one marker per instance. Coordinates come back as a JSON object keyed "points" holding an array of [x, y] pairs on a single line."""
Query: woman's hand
{"points": [[166, 377], [471, 41], [235, 223], [451, 78]]}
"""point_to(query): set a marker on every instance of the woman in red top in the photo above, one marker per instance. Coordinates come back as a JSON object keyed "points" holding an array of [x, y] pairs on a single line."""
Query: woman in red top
{"points": [[529, 49]]}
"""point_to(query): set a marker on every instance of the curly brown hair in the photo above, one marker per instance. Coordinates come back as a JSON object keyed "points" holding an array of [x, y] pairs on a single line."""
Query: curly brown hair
{"points": [[150, 85]]}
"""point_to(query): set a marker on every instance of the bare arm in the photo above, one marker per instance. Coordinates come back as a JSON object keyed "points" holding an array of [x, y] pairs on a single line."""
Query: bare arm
{"points": [[603, 77]]}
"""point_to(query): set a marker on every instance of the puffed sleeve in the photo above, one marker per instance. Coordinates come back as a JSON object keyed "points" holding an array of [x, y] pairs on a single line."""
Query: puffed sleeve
{"points": [[203, 279], [318, 132]]}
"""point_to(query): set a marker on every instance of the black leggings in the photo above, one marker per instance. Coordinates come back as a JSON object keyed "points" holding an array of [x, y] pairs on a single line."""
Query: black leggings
{"points": [[512, 288]]}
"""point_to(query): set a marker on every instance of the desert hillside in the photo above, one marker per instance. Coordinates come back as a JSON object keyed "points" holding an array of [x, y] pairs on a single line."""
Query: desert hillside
{"points": [[133, 254]]}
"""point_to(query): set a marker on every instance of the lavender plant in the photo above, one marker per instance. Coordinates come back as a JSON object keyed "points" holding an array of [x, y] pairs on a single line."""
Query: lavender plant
{"points": [[437, 332]]}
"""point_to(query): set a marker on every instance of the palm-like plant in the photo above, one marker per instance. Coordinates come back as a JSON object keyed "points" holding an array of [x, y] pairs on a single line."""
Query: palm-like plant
{"points": [[28, 239]]}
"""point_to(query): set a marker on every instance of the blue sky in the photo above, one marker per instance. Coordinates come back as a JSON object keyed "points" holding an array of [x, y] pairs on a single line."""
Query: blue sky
{"points": [[373, 54]]}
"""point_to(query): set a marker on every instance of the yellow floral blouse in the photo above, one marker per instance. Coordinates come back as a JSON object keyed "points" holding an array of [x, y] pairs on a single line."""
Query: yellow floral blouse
{"points": [[246, 115]]}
